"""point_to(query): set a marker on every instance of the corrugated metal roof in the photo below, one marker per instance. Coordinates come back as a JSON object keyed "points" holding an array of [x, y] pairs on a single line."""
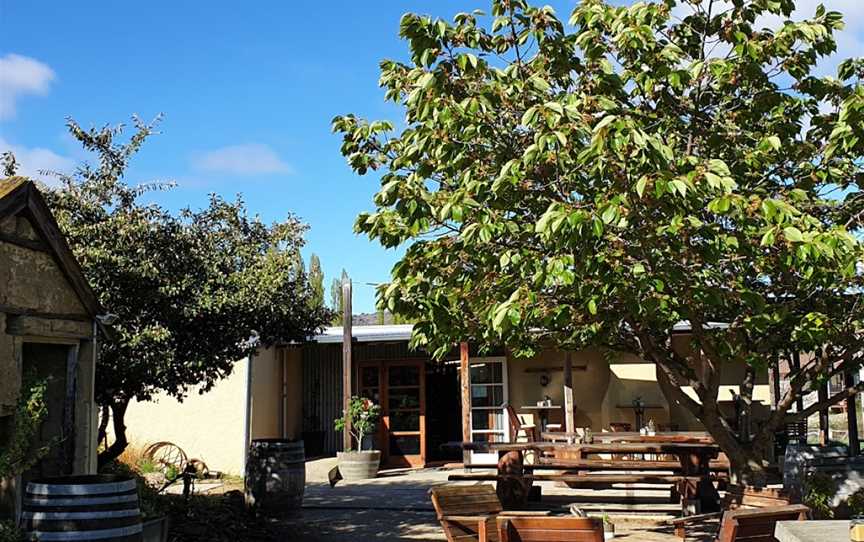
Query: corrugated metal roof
{"points": [[400, 332]]}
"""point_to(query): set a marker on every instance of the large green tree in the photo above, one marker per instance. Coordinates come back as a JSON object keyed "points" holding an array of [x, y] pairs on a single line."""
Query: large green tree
{"points": [[593, 184], [195, 291]]}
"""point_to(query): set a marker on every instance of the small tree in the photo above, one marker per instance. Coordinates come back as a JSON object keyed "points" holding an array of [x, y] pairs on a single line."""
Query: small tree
{"points": [[597, 184], [364, 416], [316, 281], [195, 291]]}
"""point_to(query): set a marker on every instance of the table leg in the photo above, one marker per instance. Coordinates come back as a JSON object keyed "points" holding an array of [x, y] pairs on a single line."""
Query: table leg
{"points": [[701, 495]]}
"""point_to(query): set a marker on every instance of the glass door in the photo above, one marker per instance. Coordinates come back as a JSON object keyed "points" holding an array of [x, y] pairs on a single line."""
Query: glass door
{"points": [[405, 413], [488, 395]]}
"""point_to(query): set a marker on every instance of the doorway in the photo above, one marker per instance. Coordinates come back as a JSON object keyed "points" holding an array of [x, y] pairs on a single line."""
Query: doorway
{"points": [[443, 412], [400, 388]]}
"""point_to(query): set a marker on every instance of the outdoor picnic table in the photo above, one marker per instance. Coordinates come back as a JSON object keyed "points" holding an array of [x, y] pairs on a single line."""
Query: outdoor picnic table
{"points": [[694, 458], [812, 531], [631, 436]]}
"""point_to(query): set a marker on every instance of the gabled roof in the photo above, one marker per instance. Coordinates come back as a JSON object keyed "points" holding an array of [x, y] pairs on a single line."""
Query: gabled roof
{"points": [[20, 195], [388, 333]]}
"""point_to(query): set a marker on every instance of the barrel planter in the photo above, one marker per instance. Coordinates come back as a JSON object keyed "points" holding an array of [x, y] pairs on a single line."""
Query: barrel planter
{"points": [[359, 465], [275, 476], [100, 508]]}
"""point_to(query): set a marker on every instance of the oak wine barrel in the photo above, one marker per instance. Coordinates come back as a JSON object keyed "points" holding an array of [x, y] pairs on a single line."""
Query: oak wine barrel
{"points": [[100, 508], [275, 476]]}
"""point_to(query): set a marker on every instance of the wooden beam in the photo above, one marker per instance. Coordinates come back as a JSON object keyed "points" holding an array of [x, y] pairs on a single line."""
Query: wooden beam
{"points": [[69, 410], [23, 242], [347, 344], [775, 381], [852, 417], [465, 385], [795, 366], [569, 414], [823, 415]]}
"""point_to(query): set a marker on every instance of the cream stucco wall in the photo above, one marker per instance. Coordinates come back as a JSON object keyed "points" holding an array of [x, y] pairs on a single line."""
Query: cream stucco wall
{"points": [[212, 426], [209, 427]]}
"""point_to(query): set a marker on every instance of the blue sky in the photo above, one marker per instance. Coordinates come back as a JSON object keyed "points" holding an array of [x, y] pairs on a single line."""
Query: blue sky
{"points": [[248, 91]]}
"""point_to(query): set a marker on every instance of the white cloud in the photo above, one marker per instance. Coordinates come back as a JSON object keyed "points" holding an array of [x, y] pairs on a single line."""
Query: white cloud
{"points": [[245, 159], [32, 160], [19, 76]]}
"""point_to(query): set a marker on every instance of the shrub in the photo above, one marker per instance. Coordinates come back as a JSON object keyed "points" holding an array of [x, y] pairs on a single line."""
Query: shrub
{"points": [[364, 415], [9, 532], [819, 491]]}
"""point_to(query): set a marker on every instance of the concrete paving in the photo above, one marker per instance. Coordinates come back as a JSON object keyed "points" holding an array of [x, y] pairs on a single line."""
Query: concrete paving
{"points": [[396, 506]]}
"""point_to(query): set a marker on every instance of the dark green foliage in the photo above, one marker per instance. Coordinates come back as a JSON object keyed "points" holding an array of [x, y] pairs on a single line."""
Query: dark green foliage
{"points": [[195, 290], [19, 451]]}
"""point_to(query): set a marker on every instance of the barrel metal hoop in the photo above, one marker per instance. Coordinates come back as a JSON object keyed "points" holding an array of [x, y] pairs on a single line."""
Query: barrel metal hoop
{"points": [[54, 516], [81, 489], [82, 502], [99, 534]]}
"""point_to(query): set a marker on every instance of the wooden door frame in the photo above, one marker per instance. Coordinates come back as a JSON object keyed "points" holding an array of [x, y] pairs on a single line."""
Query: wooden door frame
{"points": [[383, 434]]}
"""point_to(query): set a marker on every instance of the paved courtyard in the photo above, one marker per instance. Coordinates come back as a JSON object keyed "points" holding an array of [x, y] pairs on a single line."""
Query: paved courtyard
{"points": [[396, 506]]}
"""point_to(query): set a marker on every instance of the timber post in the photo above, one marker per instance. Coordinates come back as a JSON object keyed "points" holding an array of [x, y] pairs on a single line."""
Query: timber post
{"points": [[569, 414], [465, 388], [347, 343], [852, 417]]}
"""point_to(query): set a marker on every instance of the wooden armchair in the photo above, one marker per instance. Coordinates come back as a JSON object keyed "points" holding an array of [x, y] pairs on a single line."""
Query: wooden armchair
{"points": [[468, 513], [548, 529], [516, 426], [757, 525], [737, 497]]}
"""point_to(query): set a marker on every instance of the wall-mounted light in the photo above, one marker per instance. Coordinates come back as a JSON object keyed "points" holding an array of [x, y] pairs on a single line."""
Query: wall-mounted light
{"points": [[544, 380]]}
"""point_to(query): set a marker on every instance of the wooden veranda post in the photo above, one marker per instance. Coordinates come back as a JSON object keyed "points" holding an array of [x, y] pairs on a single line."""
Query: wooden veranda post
{"points": [[852, 416], [569, 422], [347, 343], [465, 384], [824, 426]]}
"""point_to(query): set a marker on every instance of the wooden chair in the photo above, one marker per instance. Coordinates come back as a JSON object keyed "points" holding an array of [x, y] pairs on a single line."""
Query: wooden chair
{"points": [[516, 426], [758, 525], [550, 529], [468, 513], [737, 497]]}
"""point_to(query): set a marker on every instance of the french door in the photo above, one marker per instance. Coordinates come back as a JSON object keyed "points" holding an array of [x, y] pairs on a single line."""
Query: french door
{"points": [[400, 388], [489, 422]]}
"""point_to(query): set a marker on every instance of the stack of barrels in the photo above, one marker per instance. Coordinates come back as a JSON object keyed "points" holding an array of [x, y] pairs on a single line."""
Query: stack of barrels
{"points": [[96, 507]]}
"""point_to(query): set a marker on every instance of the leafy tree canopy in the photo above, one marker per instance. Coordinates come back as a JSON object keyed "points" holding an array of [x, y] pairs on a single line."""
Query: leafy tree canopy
{"points": [[195, 290], [597, 182]]}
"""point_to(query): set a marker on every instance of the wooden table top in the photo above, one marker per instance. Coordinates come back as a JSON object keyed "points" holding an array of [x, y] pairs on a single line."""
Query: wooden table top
{"points": [[539, 407], [812, 531], [632, 436], [607, 447]]}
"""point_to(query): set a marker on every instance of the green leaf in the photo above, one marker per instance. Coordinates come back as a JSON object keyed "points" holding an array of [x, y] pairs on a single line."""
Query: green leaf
{"points": [[592, 306], [640, 185], [793, 234]]}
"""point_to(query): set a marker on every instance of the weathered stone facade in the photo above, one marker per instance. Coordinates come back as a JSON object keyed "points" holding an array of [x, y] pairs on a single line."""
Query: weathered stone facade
{"points": [[47, 325]]}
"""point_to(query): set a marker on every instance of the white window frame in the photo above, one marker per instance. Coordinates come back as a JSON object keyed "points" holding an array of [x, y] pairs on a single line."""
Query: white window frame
{"points": [[490, 457]]}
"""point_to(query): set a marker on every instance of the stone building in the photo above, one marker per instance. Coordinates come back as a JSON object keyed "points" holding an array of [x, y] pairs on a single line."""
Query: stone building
{"points": [[48, 326]]}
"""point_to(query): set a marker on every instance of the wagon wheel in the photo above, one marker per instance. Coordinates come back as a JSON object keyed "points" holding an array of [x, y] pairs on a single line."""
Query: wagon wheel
{"points": [[168, 457]]}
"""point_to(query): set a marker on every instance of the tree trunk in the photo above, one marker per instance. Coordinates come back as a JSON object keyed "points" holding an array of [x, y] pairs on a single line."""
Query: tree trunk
{"points": [[747, 461], [118, 411], [104, 418]]}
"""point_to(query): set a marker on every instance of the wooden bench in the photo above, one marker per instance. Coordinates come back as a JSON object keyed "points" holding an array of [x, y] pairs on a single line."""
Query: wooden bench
{"points": [[736, 497], [572, 529], [758, 525], [599, 464], [468, 513]]}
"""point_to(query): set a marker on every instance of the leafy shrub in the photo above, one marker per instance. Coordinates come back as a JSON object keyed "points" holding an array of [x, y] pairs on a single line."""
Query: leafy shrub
{"points": [[11, 533], [364, 415], [19, 452], [856, 503], [819, 491]]}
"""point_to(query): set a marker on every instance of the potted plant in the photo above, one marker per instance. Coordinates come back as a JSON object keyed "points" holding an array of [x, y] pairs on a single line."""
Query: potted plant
{"points": [[652, 427], [608, 527], [363, 415]]}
